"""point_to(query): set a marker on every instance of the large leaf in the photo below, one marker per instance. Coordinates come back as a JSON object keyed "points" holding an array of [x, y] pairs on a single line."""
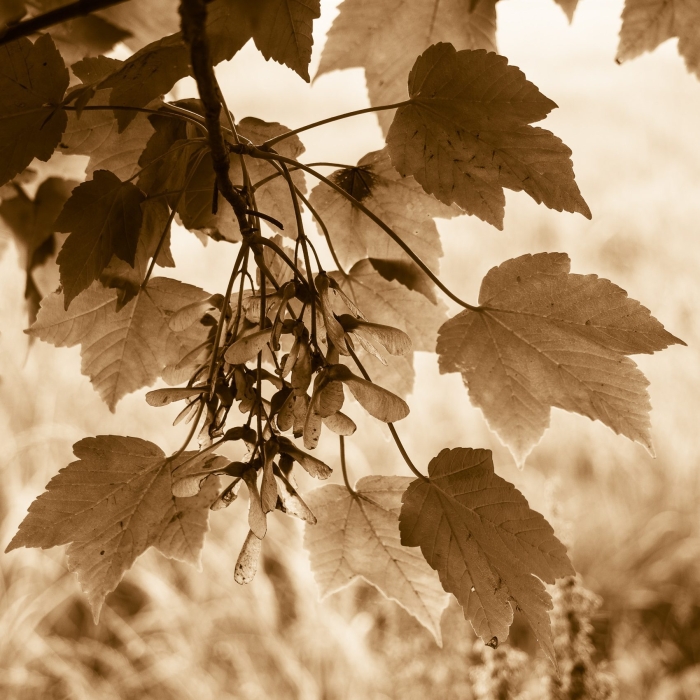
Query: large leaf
{"points": [[124, 350], [33, 79], [398, 201], [385, 36], [358, 536], [648, 23], [545, 337], [489, 548], [103, 217], [466, 135], [110, 506]]}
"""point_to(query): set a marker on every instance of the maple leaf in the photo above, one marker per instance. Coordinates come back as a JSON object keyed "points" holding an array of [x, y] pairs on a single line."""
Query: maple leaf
{"points": [[358, 536], [32, 226], [103, 217], [489, 548], [33, 80], [145, 22], [544, 337], [398, 201], [95, 133], [385, 36], [123, 350], [110, 506], [466, 134], [648, 23]]}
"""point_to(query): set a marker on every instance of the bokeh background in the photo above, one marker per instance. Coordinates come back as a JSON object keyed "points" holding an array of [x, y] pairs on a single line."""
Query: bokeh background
{"points": [[630, 520]]}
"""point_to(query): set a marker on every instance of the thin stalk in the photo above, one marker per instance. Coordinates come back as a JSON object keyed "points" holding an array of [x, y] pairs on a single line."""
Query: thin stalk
{"points": [[392, 430], [326, 234], [239, 305], [267, 179], [328, 120], [169, 222], [345, 468], [175, 114], [394, 236], [191, 433]]}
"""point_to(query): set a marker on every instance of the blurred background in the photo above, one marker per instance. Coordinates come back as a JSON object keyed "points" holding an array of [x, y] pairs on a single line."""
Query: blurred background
{"points": [[632, 619]]}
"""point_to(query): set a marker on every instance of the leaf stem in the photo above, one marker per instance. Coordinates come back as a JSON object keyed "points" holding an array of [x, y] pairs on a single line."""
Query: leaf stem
{"points": [[256, 153], [392, 430], [328, 120], [48, 19], [344, 467]]}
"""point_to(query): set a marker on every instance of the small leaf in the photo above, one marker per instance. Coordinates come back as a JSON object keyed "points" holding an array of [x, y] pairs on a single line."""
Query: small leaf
{"points": [[268, 492], [292, 502], [110, 506], [545, 337], [256, 515], [315, 467], [359, 537], [398, 201], [103, 217], [340, 424], [489, 548], [247, 562], [466, 135], [33, 80]]}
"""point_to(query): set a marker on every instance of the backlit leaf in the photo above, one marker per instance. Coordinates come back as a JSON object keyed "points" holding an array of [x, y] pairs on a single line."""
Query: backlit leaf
{"points": [[648, 23], [545, 337], [385, 36], [110, 505], [489, 548], [359, 537], [124, 350], [33, 79], [399, 201], [466, 135]]}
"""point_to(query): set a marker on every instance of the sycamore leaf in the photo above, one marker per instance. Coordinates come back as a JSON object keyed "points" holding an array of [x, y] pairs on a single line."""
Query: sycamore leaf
{"points": [[124, 350], [544, 337], [466, 134], [110, 506], [33, 79], [95, 133], [385, 36], [145, 21], [392, 304], [648, 23], [104, 218], [478, 532], [399, 201], [359, 537]]}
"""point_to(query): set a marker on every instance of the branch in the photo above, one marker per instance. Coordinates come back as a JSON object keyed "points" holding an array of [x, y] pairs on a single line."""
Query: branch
{"points": [[194, 17], [57, 16]]}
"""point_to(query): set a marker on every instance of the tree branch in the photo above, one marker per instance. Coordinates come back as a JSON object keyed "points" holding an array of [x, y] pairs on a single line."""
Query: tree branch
{"points": [[33, 25], [193, 14]]}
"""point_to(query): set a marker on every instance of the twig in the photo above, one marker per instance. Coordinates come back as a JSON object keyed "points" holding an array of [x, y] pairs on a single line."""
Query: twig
{"points": [[344, 467], [194, 17], [52, 17]]}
